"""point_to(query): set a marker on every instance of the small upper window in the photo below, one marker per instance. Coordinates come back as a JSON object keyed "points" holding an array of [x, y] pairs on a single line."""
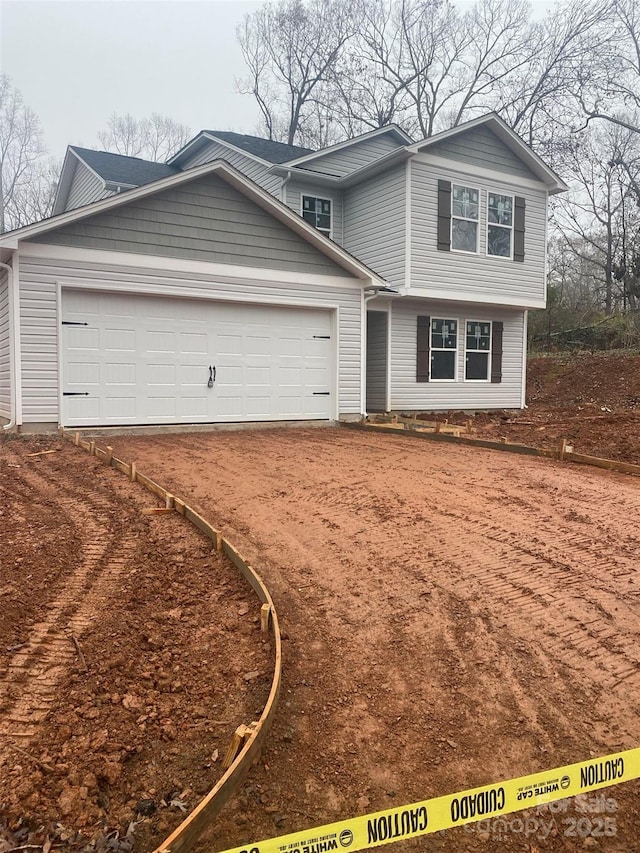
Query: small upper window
{"points": [[317, 212], [500, 225], [444, 347], [465, 206], [478, 347]]}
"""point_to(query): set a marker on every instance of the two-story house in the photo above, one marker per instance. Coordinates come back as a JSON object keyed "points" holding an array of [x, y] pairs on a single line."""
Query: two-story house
{"points": [[249, 280]]}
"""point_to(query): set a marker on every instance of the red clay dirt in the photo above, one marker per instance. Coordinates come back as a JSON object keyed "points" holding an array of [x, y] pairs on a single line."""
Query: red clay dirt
{"points": [[452, 617], [590, 398]]}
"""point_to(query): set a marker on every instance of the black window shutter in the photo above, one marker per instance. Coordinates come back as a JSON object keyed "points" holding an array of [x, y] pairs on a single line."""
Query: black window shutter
{"points": [[444, 216], [423, 349], [518, 229], [496, 351]]}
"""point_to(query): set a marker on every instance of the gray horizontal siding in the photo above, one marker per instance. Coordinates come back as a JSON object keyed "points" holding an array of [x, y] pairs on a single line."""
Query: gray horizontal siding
{"points": [[205, 220], [474, 276], [253, 169], [5, 353], [295, 189], [353, 157], [481, 147], [374, 223], [85, 188], [39, 277], [406, 393]]}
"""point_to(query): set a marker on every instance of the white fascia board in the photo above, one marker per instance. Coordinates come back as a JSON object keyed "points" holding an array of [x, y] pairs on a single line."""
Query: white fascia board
{"points": [[436, 295], [511, 139], [232, 176], [347, 143], [157, 264]]}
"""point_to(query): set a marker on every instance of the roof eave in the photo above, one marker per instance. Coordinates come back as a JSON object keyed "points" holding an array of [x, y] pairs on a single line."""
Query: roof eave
{"points": [[231, 175], [339, 146], [544, 173]]}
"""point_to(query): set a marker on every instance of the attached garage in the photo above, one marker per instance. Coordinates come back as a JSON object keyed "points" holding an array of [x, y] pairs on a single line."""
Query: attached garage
{"points": [[196, 299], [129, 359]]}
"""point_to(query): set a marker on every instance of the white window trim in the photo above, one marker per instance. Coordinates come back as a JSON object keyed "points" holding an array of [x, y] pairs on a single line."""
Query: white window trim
{"points": [[464, 219], [328, 198], [508, 257], [456, 351], [488, 352]]}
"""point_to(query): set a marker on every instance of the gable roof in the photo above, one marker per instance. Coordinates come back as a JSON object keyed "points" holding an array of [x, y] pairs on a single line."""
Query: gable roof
{"points": [[510, 138], [122, 169], [265, 150], [232, 176], [390, 129], [113, 170]]}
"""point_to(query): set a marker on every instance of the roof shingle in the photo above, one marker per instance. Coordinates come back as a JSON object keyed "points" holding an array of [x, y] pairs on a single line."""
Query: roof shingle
{"points": [[120, 169], [267, 149]]}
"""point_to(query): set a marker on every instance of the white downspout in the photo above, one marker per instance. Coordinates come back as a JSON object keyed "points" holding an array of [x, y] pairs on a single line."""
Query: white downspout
{"points": [[283, 187], [13, 331]]}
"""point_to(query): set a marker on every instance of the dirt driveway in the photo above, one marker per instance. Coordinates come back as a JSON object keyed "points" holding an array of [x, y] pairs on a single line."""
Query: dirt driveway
{"points": [[453, 617]]}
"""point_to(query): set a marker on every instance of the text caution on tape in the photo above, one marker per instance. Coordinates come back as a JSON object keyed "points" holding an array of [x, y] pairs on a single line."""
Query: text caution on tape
{"points": [[398, 824]]}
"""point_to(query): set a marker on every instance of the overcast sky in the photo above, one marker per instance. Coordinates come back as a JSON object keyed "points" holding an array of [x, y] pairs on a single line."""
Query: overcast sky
{"points": [[78, 61]]}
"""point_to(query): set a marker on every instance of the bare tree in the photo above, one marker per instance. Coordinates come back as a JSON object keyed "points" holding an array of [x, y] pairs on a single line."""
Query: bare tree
{"points": [[291, 49], [154, 138], [598, 219], [21, 148], [616, 97]]}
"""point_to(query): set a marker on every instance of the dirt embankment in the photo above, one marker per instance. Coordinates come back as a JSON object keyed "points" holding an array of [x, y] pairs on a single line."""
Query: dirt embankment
{"points": [[591, 399]]}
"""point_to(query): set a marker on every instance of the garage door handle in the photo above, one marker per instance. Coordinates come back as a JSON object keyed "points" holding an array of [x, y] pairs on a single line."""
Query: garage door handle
{"points": [[321, 393], [212, 376]]}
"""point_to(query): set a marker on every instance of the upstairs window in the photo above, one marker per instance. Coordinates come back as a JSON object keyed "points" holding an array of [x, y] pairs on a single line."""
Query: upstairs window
{"points": [[317, 212], [465, 208], [444, 348], [500, 225], [478, 348]]}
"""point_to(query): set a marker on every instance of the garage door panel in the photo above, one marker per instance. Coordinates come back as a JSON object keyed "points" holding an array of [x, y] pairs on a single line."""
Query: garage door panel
{"points": [[197, 344], [83, 373], [161, 374], [81, 338], [120, 406], [151, 365], [118, 340]]}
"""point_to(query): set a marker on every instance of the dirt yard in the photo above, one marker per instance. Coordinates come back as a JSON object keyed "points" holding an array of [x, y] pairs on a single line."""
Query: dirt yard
{"points": [[591, 399], [452, 617]]}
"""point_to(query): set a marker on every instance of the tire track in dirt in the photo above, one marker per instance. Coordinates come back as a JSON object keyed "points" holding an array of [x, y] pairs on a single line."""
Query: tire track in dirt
{"points": [[29, 686]]}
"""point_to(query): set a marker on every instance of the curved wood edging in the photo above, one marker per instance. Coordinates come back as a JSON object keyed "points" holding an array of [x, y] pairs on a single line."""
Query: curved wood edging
{"points": [[186, 834]]}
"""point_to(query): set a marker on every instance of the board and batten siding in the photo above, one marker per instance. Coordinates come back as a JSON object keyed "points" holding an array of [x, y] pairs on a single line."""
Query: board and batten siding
{"points": [[353, 157], [407, 393], [85, 188], [253, 169], [481, 147], [39, 278], [5, 348], [468, 275], [374, 223], [205, 219], [296, 188]]}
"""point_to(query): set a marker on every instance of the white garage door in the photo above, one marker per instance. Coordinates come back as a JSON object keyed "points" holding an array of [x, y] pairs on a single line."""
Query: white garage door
{"points": [[149, 360]]}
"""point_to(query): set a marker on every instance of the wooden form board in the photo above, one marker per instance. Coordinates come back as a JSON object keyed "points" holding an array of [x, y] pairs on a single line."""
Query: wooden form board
{"points": [[185, 835]]}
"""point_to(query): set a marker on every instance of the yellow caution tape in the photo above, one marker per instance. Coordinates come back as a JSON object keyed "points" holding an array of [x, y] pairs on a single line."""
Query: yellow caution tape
{"points": [[422, 818]]}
